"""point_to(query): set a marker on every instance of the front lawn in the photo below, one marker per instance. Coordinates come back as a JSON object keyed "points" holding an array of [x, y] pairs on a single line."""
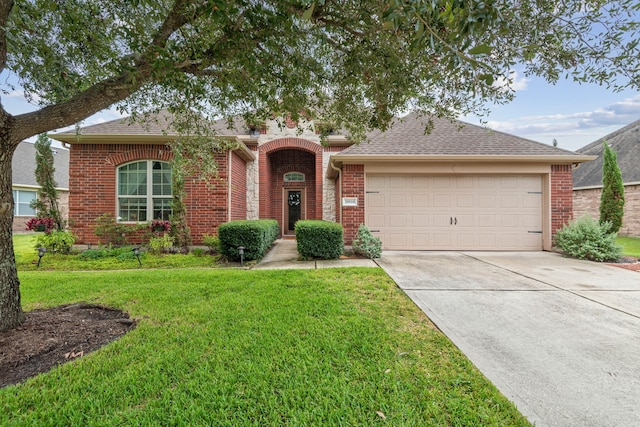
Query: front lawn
{"points": [[630, 246], [234, 347]]}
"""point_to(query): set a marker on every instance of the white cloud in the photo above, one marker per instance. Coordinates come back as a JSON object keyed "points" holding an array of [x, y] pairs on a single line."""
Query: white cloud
{"points": [[620, 113], [515, 82], [573, 130]]}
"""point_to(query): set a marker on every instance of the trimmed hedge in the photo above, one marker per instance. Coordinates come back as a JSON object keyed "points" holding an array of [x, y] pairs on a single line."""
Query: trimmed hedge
{"points": [[256, 236], [319, 239]]}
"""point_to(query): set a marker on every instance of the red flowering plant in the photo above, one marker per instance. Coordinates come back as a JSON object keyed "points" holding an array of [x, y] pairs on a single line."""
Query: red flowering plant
{"points": [[160, 226], [41, 224]]}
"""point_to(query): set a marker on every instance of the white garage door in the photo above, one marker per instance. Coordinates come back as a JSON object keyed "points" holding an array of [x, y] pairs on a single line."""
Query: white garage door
{"points": [[455, 212]]}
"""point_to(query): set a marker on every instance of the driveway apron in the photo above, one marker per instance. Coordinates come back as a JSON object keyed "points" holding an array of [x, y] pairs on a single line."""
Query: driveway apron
{"points": [[559, 337]]}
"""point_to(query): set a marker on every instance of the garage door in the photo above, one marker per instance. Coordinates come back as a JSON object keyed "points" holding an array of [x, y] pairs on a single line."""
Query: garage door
{"points": [[455, 212]]}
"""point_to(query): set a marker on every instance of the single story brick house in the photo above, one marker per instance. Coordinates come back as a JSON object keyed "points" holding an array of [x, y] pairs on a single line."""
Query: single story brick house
{"points": [[459, 187], [587, 179], [25, 187]]}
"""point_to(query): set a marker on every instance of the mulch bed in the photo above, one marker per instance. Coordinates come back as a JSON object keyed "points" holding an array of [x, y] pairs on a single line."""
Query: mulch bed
{"points": [[54, 336], [626, 262]]}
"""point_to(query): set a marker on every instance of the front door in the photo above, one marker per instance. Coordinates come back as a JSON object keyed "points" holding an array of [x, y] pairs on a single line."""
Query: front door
{"points": [[293, 210]]}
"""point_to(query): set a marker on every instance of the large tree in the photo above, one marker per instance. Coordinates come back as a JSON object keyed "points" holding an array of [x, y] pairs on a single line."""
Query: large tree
{"points": [[357, 63]]}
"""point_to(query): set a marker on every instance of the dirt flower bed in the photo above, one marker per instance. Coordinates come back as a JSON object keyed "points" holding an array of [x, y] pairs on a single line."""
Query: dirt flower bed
{"points": [[54, 336]]}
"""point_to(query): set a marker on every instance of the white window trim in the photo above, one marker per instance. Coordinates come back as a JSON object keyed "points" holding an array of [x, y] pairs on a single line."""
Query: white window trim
{"points": [[15, 202], [149, 196]]}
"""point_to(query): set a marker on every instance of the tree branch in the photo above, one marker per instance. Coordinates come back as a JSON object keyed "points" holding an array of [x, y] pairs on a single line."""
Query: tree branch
{"points": [[5, 10]]}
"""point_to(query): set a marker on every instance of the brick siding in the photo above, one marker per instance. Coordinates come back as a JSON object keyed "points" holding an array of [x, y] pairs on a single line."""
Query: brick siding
{"points": [[561, 196], [92, 184], [238, 187], [352, 185], [587, 202]]}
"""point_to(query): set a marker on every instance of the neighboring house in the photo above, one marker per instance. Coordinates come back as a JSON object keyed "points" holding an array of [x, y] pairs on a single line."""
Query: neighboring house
{"points": [[25, 187], [587, 179], [458, 187]]}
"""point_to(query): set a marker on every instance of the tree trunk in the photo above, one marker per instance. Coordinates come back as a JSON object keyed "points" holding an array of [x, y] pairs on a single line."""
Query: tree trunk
{"points": [[10, 310]]}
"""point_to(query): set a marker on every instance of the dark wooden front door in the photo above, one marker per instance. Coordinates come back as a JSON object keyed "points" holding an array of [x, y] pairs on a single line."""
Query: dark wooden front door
{"points": [[293, 209]]}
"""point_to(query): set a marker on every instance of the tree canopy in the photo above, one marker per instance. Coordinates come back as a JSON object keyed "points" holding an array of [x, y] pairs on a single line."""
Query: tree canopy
{"points": [[354, 63]]}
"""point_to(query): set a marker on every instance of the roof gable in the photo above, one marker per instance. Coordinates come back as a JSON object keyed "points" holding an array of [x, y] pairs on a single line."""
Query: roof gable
{"points": [[24, 165], [626, 143]]}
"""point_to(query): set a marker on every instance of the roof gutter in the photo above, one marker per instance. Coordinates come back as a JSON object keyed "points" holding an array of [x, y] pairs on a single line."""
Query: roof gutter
{"points": [[336, 161]]}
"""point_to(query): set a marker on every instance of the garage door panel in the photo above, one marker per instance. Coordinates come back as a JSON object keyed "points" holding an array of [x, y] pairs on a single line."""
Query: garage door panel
{"points": [[441, 212], [485, 201], [420, 220], [442, 200], [397, 221], [376, 200], [466, 200], [419, 200]]}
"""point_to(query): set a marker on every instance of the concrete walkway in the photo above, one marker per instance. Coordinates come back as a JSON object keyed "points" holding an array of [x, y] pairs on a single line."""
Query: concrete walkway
{"points": [[284, 255], [559, 337]]}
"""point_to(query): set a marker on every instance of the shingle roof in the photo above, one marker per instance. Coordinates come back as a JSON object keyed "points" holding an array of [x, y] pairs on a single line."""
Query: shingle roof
{"points": [[159, 124], [626, 143], [406, 136], [24, 165]]}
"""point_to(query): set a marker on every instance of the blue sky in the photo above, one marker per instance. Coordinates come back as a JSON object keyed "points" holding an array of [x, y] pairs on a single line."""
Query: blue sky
{"points": [[575, 115]]}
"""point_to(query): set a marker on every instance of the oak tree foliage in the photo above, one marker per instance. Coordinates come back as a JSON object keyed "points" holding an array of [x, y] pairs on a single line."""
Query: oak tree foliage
{"points": [[354, 63]]}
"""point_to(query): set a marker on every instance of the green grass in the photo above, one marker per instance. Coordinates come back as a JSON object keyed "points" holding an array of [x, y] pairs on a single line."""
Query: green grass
{"points": [[630, 246], [257, 348]]}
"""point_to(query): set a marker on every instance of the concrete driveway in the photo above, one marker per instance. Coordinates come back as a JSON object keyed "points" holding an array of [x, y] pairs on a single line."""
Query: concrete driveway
{"points": [[559, 337]]}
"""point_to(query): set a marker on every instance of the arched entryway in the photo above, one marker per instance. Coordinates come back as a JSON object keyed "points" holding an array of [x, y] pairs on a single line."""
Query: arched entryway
{"points": [[290, 182]]}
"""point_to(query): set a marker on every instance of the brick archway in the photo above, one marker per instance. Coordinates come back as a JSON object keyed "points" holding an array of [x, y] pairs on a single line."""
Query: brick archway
{"points": [[284, 155]]}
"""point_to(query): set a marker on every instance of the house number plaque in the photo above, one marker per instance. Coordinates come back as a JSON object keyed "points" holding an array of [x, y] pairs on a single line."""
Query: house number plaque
{"points": [[349, 201]]}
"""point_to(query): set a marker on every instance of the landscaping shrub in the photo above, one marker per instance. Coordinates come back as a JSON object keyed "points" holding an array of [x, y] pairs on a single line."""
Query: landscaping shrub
{"points": [[111, 232], [212, 242], [366, 244], [161, 244], [56, 241], [586, 238], [256, 236], [319, 239], [122, 252]]}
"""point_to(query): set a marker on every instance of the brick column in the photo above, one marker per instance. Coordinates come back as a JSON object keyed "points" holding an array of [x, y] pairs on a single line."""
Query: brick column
{"points": [[561, 196], [352, 184]]}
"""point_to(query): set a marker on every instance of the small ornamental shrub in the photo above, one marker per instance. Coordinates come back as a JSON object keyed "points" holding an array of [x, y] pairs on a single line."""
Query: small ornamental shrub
{"points": [[586, 238], [158, 245], [366, 244], [255, 236], [160, 226], [319, 239], [212, 242], [42, 224], [56, 241], [198, 252], [114, 233]]}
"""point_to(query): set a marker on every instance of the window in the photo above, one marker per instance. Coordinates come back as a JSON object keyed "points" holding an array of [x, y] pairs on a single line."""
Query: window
{"points": [[144, 191], [22, 202], [294, 177]]}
